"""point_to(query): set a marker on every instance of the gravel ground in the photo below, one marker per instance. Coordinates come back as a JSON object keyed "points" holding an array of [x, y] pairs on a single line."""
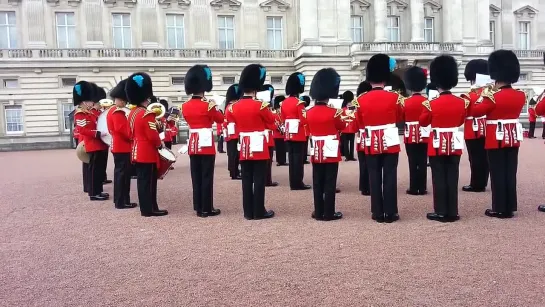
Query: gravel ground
{"points": [[59, 249]]}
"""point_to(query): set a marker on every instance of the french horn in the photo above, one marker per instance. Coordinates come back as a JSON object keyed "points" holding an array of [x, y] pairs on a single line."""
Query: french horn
{"points": [[158, 109]]}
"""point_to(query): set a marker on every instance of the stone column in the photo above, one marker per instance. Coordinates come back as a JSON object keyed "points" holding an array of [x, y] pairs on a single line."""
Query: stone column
{"points": [[381, 11], [34, 15], [483, 21], [308, 20], [93, 14], [506, 25], [540, 25], [200, 15], [327, 25], [417, 21], [456, 24]]}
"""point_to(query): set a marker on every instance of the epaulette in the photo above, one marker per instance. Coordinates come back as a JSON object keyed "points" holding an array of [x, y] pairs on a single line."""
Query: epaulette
{"points": [[300, 101], [355, 102], [117, 109], [466, 102], [427, 105], [80, 110], [211, 105], [264, 105], [338, 113], [489, 93], [400, 99]]}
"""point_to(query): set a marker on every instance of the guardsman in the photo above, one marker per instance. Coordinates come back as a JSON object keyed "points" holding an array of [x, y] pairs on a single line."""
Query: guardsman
{"points": [[83, 95], [306, 99], [532, 118], [84, 166], [349, 132], [231, 131], [278, 133], [474, 130], [292, 111], [379, 112], [200, 114], [270, 140], [416, 136], [100, 94], [252, 117], [363, 88], [118, 126], [168, 122], [219, 133], [540, 111], [324, 125], [445, 114], [502, 106], [145, 142]]}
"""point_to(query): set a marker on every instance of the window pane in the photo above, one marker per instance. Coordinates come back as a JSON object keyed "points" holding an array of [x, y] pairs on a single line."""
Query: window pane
{"points": [[12, 37], [11, 18], [231, 39], [126, 20], [60, 19], [70, 19], [221, 22], [127, 38], [170, 20], [278, 40], [270, 23], [230, 22], [117, 20], [118, 40], [180, 38]]}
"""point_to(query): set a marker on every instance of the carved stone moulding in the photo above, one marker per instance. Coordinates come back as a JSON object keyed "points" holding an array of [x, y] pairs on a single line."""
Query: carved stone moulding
{"points": [[434, 6], [400, 5], [526, 10], [494, 10], [267, 5], [233, 5], [14, 2], [181, 3], [126, 3], [72, 3], [364, 5]]}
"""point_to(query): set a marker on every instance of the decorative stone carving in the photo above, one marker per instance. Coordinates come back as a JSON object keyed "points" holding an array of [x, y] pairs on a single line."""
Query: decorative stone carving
{"points": [[364, 5], [400, 5], [434, 6], [526, 11], [127, 3], [233, 5], [181, 3], [72, 3], [494, 10], [282, 6], [14, 2]]}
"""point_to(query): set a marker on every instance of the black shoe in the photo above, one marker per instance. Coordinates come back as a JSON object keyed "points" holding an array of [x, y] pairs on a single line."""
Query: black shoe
{"points": [[379, 218], [221, 151], [451, 219], [422, 192], [281, 164], [336, 216], [541, 208], [490, 213], [99, 198], [202, 214], [411, 192], [353, 159], [303, 187], [337, 190], [104, 194], [390, 218], [436, 217], [313, 215], [272, 184], [236, 178], [269, 214], [249, 217], [107, 181], [156, 213], [306, 162], [469, 188], [365, 193], [213, 212], [126, 206]]}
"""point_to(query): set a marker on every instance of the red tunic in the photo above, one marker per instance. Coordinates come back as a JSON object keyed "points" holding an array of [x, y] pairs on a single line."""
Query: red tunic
{"points": [[252, 117], [167, 129], [293, 110], [324, 124], [86, 123], [232, 134], [200, 114], [414, 133], [445, 114], [118, 126], [351, 126], [501, 106], [540, 106], [277, 133], [271, 127], [144, 135], [474, 126], [532, 115], [377, 115]]}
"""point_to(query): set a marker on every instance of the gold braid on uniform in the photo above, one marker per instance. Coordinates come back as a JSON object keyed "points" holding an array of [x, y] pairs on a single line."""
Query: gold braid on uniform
{"points": [[427, 105], [338, 113], [264, 105], [488, 93], [400, 99], [466, 102], [211, 105]]}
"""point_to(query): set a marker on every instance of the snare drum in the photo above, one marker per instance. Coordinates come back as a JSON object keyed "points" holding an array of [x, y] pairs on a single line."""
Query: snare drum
{"points": [[167, 158]]}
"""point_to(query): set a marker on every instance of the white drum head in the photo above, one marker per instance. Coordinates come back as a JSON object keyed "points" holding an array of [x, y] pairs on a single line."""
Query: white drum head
{"points": [[167, 154], [102, 126]]}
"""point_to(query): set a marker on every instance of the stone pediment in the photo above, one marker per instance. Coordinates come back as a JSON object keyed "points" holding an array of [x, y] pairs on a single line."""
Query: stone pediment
{"points": [[230, 4], [434, 6], [400, 5], [169, 3], [526, 10], [126, 3], [494, 10], [364, 5], [279, 4]]}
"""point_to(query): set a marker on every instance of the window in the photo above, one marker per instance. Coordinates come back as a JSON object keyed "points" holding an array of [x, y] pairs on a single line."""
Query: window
{"points": [[276, 79], [66, 30], [226, 29], [177, 80], [429, 34], [356, 28], [524, 35], [175, 31], [274, 33], [14, 119], [228, 80], [68, 82], [493, 32], [523, 76], [122, 30], [10, 83], [393, 28], [8, 30], [67, 108]]}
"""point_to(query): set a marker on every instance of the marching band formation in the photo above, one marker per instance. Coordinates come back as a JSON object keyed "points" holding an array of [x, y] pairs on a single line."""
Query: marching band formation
{"points": [[138, 128]]}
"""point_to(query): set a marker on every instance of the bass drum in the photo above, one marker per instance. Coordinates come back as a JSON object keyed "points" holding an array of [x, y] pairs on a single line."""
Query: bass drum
{"points": [[102, 126]]}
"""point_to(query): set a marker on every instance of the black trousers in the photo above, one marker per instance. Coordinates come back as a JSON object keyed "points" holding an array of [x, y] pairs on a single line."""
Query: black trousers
{"points": [[280, 147], [104, 157], [383, 182], [418, 166], [269, 166], [122, 178], [220, 143], [305, 154], [253, 187], [478, 162], [324, 184], [445, 171], [147, 186], [296, 157], [95, 173], [503, 178], [233, 157], [543, 131], [85, 175], [202, 179], [348, 145], [168, 145], [364, 172], [532, 129]]}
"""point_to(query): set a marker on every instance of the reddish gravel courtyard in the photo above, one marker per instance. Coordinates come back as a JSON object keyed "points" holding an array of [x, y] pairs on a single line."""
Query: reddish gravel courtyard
{"points": [[59, 249]]}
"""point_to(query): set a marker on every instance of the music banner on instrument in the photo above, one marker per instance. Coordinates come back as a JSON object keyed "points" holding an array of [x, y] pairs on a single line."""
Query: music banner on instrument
{"points": [[336, 103]]}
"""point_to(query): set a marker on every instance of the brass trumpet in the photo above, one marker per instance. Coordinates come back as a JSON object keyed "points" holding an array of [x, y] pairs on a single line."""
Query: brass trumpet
{"points": [[349, 117]]}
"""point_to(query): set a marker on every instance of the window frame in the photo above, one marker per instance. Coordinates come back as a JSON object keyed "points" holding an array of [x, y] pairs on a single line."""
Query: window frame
{"points": [[66, 27], [122, 27], [5, 24], [354, 28], [528, 34], [227, 83], [432, 29], [226, 29], [66, 116], [22, 117], [389, 28], [274, 30], [5, 79], [176, 27]]}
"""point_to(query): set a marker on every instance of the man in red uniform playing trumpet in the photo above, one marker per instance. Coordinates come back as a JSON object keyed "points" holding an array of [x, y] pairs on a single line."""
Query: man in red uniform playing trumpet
{"points": [[445, 114], [200, 114], [363, 88], [502, 106], [324, 124], [146, 142]]}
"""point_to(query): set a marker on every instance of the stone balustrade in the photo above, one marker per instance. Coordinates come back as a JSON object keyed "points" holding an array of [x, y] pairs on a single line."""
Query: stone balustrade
{"points": [[389, 47]]}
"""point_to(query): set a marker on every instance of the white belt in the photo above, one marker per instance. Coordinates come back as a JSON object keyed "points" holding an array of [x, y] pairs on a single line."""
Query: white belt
{"points": [[381, 127], [200, 130], [267, 130], [471, 117], [250, 134], [440, 130], [502, 121], [411, 123], [292, 120], [323, 138]]}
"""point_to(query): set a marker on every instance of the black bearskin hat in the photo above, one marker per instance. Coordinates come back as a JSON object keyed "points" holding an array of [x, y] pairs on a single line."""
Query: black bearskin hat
{"points": [[198, 79], [415, 79], [348, 96], [306, 99], [100, 93], [232, 94], [444, 72], [295, 84], [83, 91], [378, 69], [277, 100], [252, 78], [270, 88], [164, 102], [504, 66], [397, 84], [325, 84], [363, 87], [474, 67], [118, 92], [139, 88]]}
